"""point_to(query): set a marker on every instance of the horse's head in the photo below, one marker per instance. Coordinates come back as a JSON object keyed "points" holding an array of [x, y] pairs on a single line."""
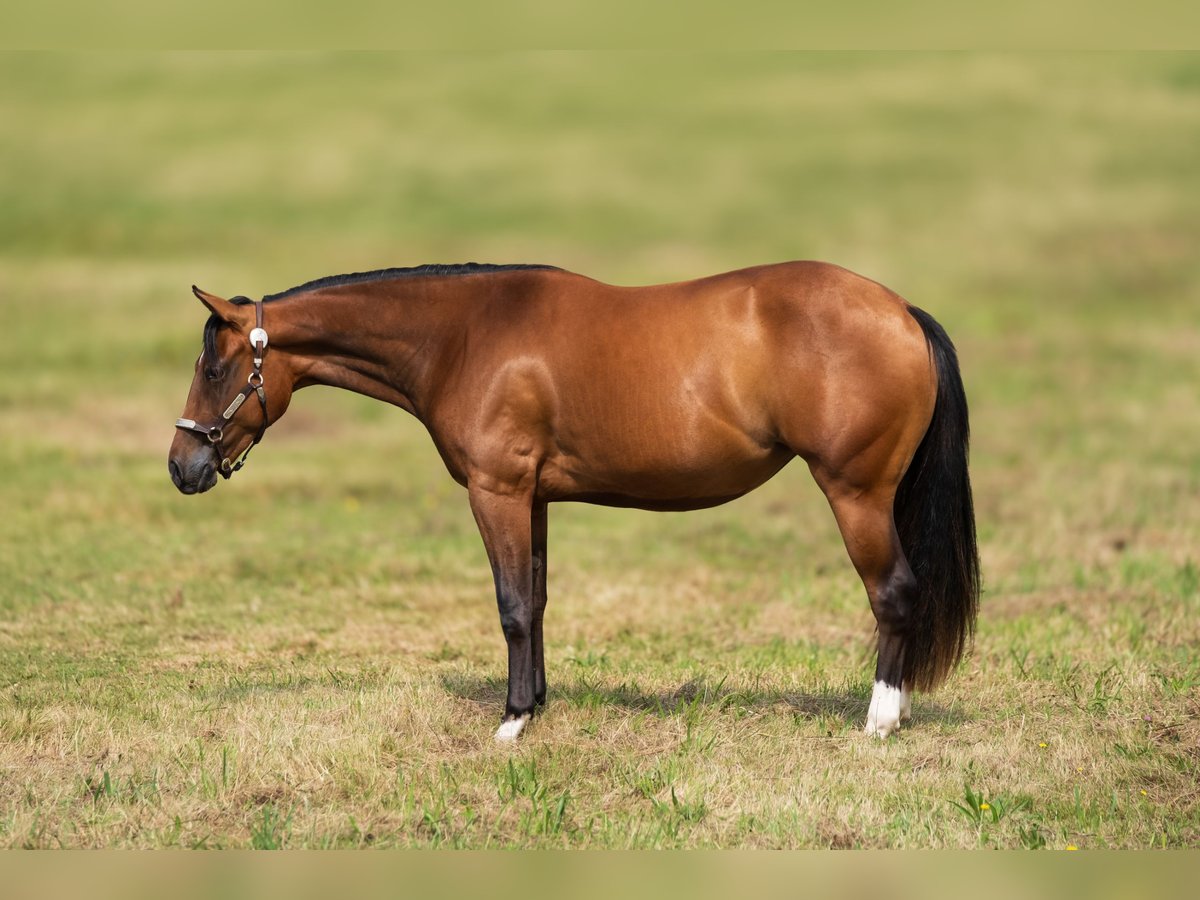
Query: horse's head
{"points": [[239, 388]]}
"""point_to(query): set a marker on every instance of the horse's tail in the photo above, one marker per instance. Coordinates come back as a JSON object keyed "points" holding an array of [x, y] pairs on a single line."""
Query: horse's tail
{"points": [[935, 519]]}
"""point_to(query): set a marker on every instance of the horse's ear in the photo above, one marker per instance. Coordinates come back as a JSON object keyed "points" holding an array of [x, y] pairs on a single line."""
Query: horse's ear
{"points": [[222, 308]]}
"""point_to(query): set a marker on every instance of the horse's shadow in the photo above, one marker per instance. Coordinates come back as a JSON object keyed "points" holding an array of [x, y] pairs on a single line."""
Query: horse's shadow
{"points": [[835, 708]]}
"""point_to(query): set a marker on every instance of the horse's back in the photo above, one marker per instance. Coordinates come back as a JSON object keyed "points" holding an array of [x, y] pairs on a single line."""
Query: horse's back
{"points": [[774, 346]]}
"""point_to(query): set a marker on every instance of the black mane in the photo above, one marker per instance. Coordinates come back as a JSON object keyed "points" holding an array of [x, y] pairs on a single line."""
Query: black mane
{"points": [[429, 270]]}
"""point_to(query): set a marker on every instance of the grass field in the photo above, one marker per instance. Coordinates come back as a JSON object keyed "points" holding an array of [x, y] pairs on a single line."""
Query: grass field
{"points": [[309, 656]]}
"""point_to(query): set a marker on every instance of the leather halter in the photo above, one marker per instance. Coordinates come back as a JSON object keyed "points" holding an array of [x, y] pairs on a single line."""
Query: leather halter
{"points": [[254, 385]]}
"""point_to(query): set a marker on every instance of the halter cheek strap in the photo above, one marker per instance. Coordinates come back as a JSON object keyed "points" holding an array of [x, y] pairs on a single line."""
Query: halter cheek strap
{"points": [[254, 385]]}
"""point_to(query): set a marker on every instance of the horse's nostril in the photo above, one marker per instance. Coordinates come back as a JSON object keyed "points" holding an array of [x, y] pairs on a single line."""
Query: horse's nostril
{"points": [[176, 474]]}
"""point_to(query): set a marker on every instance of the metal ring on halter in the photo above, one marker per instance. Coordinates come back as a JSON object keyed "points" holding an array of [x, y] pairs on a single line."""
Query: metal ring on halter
{"points": [[215, 434], [251, 379], [226, 465]]}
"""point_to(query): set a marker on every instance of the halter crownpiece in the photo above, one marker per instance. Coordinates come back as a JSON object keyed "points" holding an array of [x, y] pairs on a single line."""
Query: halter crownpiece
{"points": [[255, 384]]}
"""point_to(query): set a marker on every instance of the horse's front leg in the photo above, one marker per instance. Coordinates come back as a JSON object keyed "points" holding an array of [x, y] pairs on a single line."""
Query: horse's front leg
{"points": [[504, 523], [538, 530]]}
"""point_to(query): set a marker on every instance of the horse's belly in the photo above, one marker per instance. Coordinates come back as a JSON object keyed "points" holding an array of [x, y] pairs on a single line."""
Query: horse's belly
{"points": [[656, 478]]}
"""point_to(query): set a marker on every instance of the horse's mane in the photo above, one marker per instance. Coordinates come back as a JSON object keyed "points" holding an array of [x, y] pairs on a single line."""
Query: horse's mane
{"points": [[428, 270]]}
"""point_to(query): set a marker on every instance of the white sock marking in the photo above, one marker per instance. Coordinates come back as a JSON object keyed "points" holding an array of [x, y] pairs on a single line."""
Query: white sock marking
{"points": [[884, 715], [510, 728]]}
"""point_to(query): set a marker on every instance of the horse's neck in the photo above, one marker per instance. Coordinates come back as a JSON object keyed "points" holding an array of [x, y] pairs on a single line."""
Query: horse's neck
{"points": [[367, 340]]}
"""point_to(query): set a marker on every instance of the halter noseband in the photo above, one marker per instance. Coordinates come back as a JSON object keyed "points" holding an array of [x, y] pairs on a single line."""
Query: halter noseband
{"points": [[254, 385]]}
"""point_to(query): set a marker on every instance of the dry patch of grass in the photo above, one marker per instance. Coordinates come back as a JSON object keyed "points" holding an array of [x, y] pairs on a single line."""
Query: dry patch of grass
{"points": [[679, 716]]}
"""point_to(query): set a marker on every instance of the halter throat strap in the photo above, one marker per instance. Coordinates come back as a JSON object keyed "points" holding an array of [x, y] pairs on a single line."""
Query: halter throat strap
{"points": [[255, 384]]}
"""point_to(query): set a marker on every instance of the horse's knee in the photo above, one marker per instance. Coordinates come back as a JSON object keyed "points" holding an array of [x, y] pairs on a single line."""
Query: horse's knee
{"points": [[515, 623]]}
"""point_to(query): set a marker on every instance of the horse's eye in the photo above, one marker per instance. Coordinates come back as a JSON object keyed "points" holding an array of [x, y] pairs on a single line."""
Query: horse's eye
{"points": [[212, 373]]}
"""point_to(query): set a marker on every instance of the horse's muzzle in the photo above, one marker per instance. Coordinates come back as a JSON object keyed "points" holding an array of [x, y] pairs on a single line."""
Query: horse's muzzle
{"points": [[195, 476]]}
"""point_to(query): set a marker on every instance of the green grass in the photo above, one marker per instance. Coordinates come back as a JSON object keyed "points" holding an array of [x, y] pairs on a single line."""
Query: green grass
{"points": [[309, 656]]}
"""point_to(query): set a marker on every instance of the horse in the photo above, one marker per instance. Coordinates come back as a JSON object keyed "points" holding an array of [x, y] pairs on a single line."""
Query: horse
{"points": [[538, 385]]}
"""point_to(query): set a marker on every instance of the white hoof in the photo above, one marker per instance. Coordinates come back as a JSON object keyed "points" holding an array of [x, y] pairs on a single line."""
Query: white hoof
{"points": [[905, 702], [884, 715], [510, 728]]}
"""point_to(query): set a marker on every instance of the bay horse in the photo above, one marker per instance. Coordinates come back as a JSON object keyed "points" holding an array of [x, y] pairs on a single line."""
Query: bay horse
{"points": [[538, 385]]}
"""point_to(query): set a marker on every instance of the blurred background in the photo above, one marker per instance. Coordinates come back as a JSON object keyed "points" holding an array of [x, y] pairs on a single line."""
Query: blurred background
{"points": [[1044, 207]]}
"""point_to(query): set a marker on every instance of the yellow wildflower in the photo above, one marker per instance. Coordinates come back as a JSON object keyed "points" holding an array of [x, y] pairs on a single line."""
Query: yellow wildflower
{"points": [[984, 806]]}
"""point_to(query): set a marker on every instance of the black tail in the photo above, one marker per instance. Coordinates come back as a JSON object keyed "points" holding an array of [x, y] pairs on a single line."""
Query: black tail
{"points": [[935, 519]]}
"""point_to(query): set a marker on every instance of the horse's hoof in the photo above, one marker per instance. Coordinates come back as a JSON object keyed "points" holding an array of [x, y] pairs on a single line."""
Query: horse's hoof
{"points": [[881, 730], [510, 728]]}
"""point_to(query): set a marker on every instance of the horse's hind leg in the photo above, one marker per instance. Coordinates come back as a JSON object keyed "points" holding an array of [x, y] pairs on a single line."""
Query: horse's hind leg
{"points": [[865, 520]]}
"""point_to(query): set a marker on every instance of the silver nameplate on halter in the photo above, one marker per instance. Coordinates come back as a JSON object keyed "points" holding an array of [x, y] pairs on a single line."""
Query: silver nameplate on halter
{"points": [[186, 423], [233, 407]]}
